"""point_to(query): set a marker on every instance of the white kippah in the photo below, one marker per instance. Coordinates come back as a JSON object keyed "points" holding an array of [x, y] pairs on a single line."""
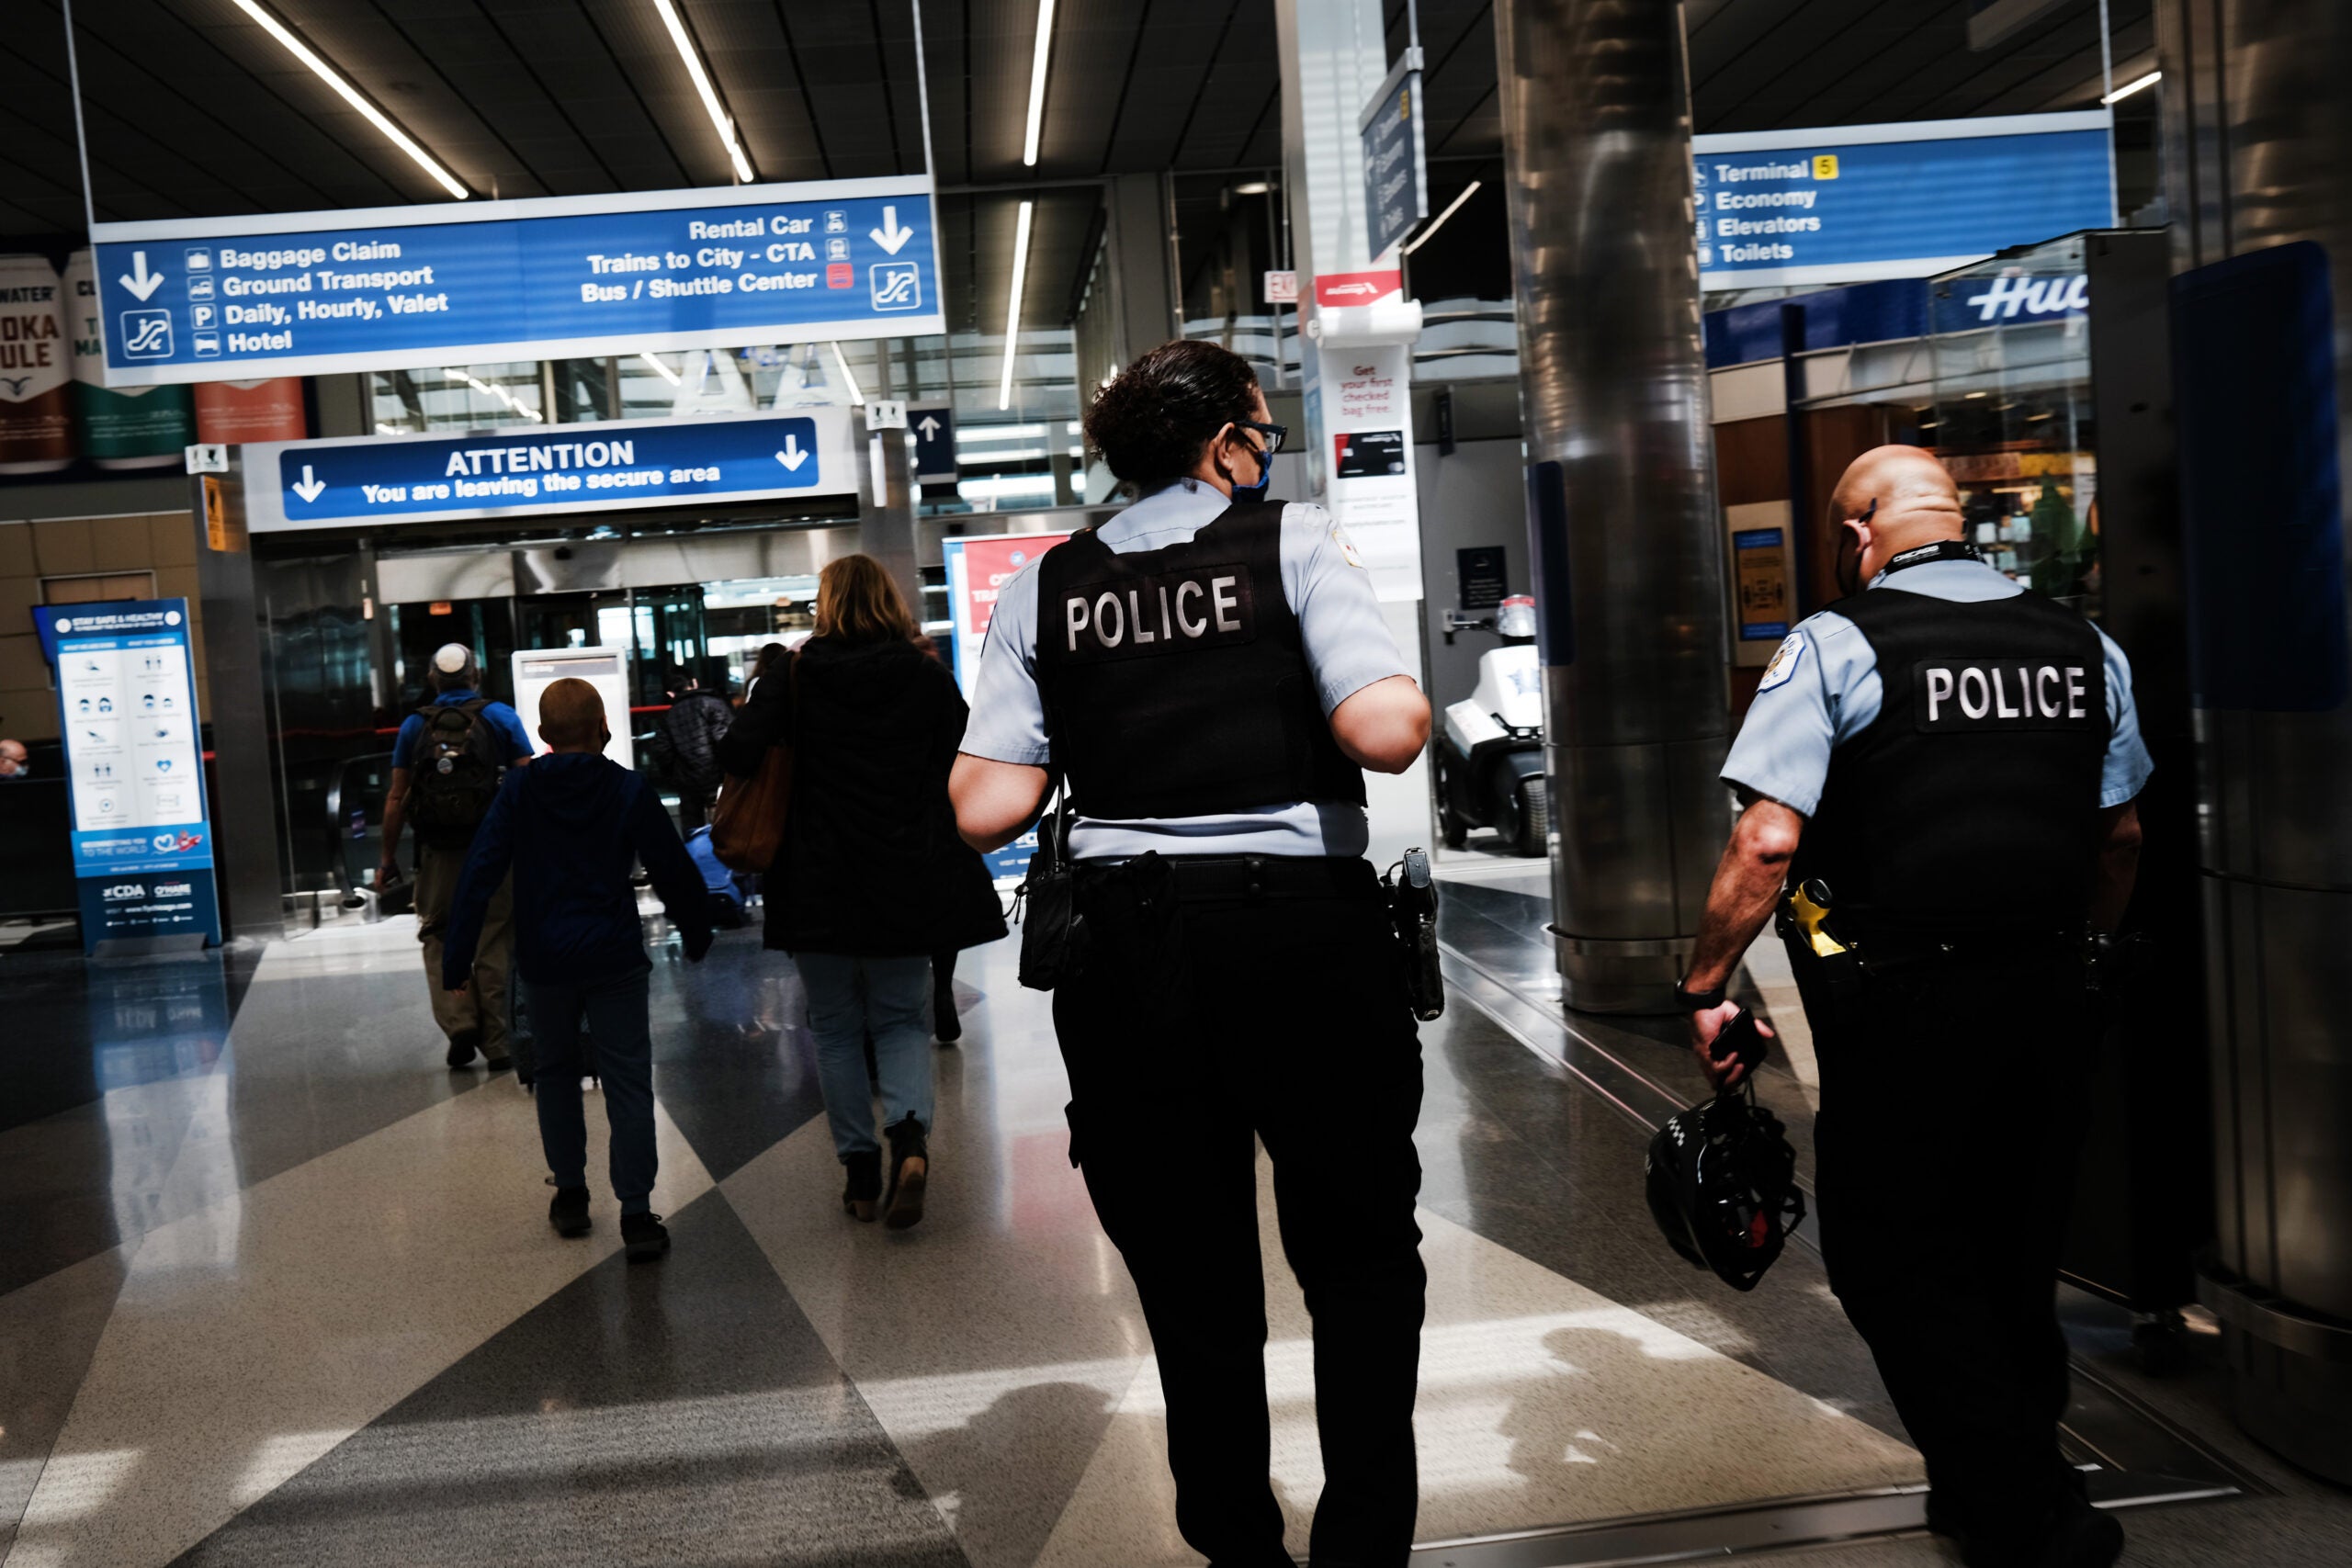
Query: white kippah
{"points": [[453, 657]]}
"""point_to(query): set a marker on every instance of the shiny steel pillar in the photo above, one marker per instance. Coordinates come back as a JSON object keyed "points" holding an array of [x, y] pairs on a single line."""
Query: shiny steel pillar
{"points": [[1623, 528], [2258, 157]]}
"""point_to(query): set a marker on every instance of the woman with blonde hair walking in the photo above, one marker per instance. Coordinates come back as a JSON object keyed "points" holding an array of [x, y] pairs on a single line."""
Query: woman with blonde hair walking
{"points": [[871, 879]]}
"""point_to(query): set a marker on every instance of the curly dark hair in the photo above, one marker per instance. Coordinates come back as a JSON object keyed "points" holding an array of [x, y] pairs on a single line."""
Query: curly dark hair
{"points": [[1152, 421]]}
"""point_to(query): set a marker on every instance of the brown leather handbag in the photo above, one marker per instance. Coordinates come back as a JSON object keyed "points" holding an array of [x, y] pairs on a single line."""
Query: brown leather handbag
{"points": [[747, 825]]}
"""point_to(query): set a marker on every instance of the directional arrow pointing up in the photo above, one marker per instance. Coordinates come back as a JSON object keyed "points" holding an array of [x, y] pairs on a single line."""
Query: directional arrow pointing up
{"points": [[142, 283], [310, 487], [889, 236], [792, 456], [929, 428]]}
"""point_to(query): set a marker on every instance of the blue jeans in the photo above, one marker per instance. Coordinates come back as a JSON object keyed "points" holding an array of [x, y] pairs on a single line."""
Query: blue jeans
{"points": [[890, 999], [618, 1050]]}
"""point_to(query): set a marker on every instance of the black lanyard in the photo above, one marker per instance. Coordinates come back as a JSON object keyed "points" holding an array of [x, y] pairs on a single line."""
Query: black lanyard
{"points": [[1942, 549]]}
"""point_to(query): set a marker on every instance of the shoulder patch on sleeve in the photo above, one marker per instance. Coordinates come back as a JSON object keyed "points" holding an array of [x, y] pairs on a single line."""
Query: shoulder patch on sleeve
{"points": [[1785, 660], [1347, 545]]}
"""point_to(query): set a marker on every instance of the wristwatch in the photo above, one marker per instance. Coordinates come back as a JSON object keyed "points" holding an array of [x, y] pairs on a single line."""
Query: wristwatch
{"points": [[1697, 1001]]}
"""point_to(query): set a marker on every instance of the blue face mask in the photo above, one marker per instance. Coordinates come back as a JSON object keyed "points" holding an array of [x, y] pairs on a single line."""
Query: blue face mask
{"points": [[1265, 476]]}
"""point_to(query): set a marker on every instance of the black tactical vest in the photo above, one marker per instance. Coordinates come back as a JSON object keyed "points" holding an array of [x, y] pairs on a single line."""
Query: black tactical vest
{"points": [[1971, 804], [1175, 681]]}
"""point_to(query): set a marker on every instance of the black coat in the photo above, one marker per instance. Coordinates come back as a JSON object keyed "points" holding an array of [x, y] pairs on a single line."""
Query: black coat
{"points": [[871, 864], [692, 729]]}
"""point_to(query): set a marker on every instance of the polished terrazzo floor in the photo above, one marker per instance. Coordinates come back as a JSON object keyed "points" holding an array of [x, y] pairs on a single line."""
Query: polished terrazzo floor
{"points": [[275, 1287]]}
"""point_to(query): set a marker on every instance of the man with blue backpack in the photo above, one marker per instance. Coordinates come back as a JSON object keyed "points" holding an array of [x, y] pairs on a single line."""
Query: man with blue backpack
{"points": [[448, 764]]}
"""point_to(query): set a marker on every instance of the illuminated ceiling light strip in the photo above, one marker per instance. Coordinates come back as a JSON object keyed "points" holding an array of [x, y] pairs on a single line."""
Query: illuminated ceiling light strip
{"points": [[719, 119], [1012, 305], [667, 374], [857, 392], [352, 96], [2125, 91], [498, 393], [1037, 81], [1423, 237]]}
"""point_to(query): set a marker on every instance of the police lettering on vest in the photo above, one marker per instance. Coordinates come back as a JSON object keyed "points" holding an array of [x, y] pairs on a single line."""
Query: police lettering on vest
{"points": [[1235, 725], [1976, 694], [1208, 606]]}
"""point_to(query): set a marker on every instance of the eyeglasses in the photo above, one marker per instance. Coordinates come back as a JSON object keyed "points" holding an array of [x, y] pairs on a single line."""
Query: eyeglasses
{"points": [[1869, 512], [1275, 435]]}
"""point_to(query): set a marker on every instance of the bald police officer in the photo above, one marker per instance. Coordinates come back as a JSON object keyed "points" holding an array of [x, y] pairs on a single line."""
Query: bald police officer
{"points": [[1952, 762], [1211, 672]]}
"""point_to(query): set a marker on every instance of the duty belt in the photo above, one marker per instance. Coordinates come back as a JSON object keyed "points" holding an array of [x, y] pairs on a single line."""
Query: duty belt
{"points": [[1249, 878]]}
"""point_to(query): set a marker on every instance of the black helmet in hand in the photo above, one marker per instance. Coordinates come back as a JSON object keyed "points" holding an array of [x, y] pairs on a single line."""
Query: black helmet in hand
{"points": [[1723, 1186]]}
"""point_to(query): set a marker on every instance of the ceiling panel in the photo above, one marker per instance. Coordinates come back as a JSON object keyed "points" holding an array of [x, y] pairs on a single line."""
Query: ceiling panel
{"points": [[193, 109]]}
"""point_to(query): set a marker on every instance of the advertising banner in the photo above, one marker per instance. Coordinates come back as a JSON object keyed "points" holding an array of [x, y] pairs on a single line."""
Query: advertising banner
{"points": [[1849, 203], [550, 278], [1367, 409], [608, 466], [125, 704], [978, 570]]}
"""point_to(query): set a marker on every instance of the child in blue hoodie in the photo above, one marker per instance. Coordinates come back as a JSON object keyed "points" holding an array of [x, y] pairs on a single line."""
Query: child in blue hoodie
{"points": [[571, 825]]}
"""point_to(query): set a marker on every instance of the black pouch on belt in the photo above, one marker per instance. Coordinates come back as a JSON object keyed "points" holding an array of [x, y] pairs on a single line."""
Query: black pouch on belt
{"points": [[1052, 933], [1412, 910]]}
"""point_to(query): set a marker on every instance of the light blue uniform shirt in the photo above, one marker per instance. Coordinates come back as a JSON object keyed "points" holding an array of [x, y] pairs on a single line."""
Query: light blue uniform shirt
{"points": [[1348, 647], [1823, 689]]}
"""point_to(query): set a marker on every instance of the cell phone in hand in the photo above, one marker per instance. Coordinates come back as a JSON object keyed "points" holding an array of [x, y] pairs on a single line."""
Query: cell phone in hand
{"points": [[1740, 1045]]}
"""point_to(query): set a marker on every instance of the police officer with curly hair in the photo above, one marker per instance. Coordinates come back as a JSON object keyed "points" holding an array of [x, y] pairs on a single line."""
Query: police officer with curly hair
{"points": [[1209, 673], [1946, 763]]}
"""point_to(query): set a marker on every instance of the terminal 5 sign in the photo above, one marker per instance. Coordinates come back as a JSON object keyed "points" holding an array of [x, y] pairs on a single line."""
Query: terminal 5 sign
{"points": [[198, 300], [1855, 203], [612, 466]]}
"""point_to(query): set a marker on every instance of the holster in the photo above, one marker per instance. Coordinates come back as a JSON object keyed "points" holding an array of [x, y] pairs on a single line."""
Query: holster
{"points": [[1839, 976], [1412, 911], [1052, 933]]}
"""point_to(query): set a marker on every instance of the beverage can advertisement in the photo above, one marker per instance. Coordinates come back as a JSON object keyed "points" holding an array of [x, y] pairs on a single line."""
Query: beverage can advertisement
{"points": [[36, 364]]}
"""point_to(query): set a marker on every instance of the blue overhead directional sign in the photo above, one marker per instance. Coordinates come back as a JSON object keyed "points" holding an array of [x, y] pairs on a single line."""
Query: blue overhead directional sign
{"points": [[197, 300], [610, 466], [1852, 203], [1395, 165]]}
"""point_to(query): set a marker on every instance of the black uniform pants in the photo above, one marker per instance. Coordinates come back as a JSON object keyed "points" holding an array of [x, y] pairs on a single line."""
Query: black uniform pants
{"points": [[1196, 1031], [1952, 1105]]}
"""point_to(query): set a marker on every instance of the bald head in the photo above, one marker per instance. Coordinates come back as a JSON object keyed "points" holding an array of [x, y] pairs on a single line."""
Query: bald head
{"points": [[1917, 502], [14, 758], [571, 715]]}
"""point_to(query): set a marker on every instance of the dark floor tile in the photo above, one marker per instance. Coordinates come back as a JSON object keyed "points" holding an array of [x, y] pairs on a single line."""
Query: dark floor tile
{"points": [[48, 1331], [78, 1028], [1518, 1151], [682, 1412], [733, 1063]]}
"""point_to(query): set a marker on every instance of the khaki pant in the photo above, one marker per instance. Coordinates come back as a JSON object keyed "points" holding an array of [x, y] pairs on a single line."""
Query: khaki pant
{"points": [[483, 1005]]}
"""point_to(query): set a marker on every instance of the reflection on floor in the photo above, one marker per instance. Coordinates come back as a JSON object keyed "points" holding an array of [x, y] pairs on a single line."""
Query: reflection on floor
{"points": [[275, 1287]]}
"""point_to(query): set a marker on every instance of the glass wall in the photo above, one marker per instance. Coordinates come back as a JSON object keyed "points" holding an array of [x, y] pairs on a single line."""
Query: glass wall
{"points": [[2012, 415]]}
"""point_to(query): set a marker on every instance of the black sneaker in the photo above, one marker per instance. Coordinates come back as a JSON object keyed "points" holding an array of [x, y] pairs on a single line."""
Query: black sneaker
{"points": [[568, 1211], [644, 1236], [865, 1184], [909, 1172], [945, 1027], [462, 1046]]}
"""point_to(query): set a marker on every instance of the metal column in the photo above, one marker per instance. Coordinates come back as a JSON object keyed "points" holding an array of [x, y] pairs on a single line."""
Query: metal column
{"points": [[1622, 516], [2258, 180]]}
